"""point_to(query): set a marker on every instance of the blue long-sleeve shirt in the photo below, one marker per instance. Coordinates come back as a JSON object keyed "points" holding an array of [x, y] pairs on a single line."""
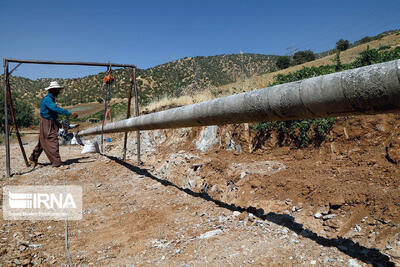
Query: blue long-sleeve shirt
{"points": [[49, 109]]}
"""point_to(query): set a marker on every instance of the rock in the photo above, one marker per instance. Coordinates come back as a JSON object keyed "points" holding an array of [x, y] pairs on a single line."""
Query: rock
{"points": [[295, 208], [26, 261], [204, 188], [327, 260], [380, 128], [3, 251], [388, 247], [329, 216], [317, 215], [38, 233], [288, 201], [337, 202], [251, 217], [243, 174], [236, 213], [98, 185], [334, 223], [230, 142], [242, 216], [357, 228], [197, 166], [213, 189], [313, 262], [210, 234], [208, 138], [238, 148], [353, 263]]}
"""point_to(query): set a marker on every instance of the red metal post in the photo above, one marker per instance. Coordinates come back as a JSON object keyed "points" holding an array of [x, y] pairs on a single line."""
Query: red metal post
{"points": [[6, 126], [137, 115], [128, 111], [9, 98]]}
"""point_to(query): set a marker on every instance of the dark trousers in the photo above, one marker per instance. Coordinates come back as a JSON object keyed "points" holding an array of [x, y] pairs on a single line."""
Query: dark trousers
{"points": [[48, 141]]}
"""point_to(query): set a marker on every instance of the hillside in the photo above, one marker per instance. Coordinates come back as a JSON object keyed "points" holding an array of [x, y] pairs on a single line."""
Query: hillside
{"points": [[175, 78], [263, 80], [385, 43]]}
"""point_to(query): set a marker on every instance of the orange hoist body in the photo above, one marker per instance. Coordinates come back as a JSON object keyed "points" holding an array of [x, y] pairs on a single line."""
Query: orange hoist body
{"points": [[109, 79]]}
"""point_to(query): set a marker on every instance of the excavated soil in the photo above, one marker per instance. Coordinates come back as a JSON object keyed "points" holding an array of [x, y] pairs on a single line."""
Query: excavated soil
{"points": [[337, 204]]}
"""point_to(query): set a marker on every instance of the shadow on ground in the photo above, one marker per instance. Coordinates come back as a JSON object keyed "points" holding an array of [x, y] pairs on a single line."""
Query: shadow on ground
{"points": [[347, 246], [67, 162]]}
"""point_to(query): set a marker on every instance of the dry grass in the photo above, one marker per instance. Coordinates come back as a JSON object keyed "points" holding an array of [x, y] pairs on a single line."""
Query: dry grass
{"points": [[168, 102], [264, 80]]}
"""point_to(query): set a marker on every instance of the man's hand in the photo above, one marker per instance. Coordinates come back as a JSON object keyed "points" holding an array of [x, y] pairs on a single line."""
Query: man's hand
{"points": [[74, 115]]}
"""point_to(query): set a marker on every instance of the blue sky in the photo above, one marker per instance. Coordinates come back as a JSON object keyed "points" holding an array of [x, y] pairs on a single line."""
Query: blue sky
{"points": [[149, 33]]}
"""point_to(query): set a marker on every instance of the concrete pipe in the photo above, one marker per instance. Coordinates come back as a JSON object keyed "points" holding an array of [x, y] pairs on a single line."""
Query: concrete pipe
{"points": [[368, 90]]}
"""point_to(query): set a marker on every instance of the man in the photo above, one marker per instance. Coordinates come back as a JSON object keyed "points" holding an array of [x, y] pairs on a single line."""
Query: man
{"points": [[48, 140]]}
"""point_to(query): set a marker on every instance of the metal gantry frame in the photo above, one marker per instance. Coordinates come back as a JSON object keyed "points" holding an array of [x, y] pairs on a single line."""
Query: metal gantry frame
{"points": [[8, 102]]}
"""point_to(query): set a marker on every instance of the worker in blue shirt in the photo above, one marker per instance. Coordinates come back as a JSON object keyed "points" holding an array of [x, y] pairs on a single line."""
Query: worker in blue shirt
{"points": [[48, 138]]}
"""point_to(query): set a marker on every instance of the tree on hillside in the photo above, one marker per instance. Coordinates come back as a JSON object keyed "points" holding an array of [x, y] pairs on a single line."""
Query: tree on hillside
{"points": [[303, 56], [283, 62], [23, 113], [342, 44], [366, 39], [338, 66]]}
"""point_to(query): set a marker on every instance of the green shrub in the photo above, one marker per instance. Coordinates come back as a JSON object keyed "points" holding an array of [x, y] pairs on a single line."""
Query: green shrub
{"points": [[299, 132], [342, 45], [366, 39], [384, 47], [283, 62], [367, 57], [303, 57]]}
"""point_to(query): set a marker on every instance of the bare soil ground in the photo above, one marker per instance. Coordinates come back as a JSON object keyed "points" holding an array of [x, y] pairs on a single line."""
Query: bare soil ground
{"points": [[333, 205]]}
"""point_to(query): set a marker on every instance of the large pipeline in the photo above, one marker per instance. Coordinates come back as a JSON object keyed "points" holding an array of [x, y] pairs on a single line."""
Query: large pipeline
{"points": [[368, 90]]}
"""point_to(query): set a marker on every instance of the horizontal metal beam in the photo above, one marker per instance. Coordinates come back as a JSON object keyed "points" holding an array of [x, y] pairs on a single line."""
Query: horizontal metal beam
{"points": [[368, 90], [29, 61]]}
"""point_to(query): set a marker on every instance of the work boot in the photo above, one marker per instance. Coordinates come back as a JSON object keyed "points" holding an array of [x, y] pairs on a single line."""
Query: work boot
{"points": [[61, 167], [32, 162]]}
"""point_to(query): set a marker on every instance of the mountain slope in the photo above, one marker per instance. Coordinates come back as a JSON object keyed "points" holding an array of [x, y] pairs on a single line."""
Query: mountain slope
{"points": [[182, 76]]}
